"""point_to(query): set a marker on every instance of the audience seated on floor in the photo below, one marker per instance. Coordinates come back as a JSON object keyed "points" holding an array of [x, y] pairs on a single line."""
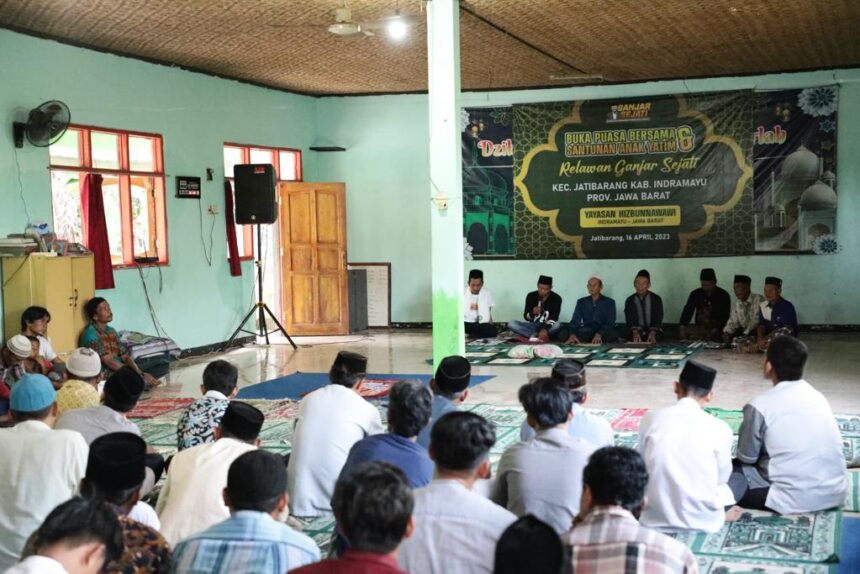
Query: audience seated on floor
{"points": [[122, 392], [373, 510], [34, 323], [330, 421], [543, 476], [776, 316], [80, 389], [456, 529], [607, 537], [584, 425], [41, 467], [593, 320], [409, 409], [529, 545], [449, 387], [789, 456], [104, 340], [253, 538], [192, 497], [77, 537], [115, 472], [200, 419], [743, 320], [688, 454]]}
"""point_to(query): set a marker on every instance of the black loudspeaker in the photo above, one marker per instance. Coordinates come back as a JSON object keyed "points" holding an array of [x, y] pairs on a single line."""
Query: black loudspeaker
{"points": [[255, 193]]}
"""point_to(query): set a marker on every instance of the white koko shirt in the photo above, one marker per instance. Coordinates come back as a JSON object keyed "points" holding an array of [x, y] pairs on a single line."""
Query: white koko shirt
{"points": [[330, 421], [688, 454], [478, 308]]}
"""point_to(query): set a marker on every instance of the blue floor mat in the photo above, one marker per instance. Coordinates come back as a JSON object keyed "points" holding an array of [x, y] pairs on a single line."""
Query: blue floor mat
{"points": [[849, 557], [297, 385]]}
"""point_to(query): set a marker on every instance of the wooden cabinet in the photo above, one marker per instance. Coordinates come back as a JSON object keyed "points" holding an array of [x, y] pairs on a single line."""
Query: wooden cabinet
{"points": [[60, 284]]}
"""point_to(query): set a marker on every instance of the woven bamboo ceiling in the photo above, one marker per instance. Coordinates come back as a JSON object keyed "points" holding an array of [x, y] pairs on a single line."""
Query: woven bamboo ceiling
{"points": [[504, 43]]}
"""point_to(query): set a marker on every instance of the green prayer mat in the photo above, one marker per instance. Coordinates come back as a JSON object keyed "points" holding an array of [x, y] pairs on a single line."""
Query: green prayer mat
{"points": [[852, 500], [720, 565]]}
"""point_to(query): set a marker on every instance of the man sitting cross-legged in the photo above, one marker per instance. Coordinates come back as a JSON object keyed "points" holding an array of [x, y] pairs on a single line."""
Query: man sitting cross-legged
{"points": [[776, 316], [541, 313], [191, 499], [593, 318], [78, 537], [373, 510], [643, 311], [41, 467], [456, 529], [542, 476], [330, 421], [584, 425], [607, 537], [122, 392], [253, 538], [200, 419], [409, 409], [449, 388], [115, 472], [688, 454], [741, 327], [789, 447], [478, 308]]}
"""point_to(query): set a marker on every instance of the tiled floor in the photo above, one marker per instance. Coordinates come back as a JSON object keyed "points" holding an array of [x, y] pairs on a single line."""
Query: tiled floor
{"points": [[834, 368]]}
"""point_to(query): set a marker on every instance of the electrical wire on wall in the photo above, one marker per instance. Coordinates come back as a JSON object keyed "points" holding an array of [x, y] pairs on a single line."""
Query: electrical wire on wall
{"points": [[207, 253], [21, 188]]}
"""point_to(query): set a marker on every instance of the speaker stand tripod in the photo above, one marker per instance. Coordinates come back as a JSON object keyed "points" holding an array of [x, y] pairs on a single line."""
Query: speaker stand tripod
{"points": [[259, 307]]}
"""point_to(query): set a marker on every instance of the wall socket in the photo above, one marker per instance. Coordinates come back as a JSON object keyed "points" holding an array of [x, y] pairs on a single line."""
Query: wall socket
{"points": [[213, 210]]}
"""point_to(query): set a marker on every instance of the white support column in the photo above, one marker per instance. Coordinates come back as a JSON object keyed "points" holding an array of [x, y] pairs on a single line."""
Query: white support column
{"points": [[446, 183]]}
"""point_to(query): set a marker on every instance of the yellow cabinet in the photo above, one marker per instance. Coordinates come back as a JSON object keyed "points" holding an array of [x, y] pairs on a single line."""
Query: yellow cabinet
{"points": [[60, 284]]}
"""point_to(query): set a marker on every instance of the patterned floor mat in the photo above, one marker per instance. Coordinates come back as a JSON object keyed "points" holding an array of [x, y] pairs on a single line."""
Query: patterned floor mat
{"points": [[714, 565], [618, 356], [150, 408]]}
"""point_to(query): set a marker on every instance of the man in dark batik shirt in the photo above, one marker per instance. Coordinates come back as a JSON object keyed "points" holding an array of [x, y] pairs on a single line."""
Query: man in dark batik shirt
{"points": [[198, 421], [711, 306]]}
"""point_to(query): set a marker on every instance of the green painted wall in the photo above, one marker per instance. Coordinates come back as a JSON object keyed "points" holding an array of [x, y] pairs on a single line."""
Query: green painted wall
{"points": [[195, 114], [385, 168]]}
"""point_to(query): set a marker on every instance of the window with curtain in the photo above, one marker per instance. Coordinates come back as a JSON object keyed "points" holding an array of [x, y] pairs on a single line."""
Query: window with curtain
{"points": [[132, 166], [288, 167]]}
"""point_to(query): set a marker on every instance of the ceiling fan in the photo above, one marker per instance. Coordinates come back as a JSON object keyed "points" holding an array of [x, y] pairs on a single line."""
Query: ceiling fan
{"points": [[397, 25]]}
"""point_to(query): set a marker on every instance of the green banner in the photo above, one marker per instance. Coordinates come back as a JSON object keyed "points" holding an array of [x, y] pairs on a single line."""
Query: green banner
{"points": [[666, 176]]}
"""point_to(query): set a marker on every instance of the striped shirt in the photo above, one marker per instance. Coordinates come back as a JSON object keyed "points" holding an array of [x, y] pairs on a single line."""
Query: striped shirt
{"points": [[248, 541], [611, 541]]}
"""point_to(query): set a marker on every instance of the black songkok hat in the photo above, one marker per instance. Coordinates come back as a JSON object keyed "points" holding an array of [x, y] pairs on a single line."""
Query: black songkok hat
{"points": [[545, 280], [567, 369], [350, 362], [707, 274], [775, 281], [124, 386], [242, 420], [644, 273], [476, 274], [117, 461], [255, 477], [743, 279], [698, 375], [453, 374]]}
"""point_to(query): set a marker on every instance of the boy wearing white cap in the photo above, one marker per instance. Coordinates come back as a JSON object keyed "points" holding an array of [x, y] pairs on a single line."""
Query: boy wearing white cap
{"points": [[83, 372]]}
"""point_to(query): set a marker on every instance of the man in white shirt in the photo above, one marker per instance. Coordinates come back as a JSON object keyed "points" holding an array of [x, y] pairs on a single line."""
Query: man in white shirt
{"points": [[34, 323], [192, 498], [740, 330], [478, 308], [688, 454], [78, 537], [41, 467], [789, 447], [456, 529], [584, 425], [543, 476], [330, 421]]}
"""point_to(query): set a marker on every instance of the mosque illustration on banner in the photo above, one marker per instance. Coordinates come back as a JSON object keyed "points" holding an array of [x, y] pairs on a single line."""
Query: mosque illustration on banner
{"points": [[799, 204]]}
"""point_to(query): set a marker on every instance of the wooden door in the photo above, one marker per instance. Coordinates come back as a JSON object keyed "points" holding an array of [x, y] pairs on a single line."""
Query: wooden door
{"points": [[52, 289], [313, 239], [84, 283]]}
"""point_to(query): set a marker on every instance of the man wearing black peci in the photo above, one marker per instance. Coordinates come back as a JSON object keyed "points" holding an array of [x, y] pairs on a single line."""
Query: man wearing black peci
{"points": [[541, 313]]}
